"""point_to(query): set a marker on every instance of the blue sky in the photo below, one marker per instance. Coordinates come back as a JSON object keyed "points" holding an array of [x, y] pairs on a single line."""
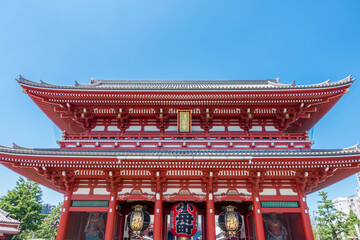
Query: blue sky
{"points": [[66, 41]]}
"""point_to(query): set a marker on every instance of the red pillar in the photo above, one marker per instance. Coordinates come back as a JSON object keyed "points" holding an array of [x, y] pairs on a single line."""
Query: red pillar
{"points": [[64, 218], [305, 218], [258, 219], [110, 222], [120, 227], [204, 228], [210, 217], [165, 226], [248, 232], [158, 215]]}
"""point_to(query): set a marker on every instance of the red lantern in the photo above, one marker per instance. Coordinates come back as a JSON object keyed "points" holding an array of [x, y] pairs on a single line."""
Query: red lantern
{"points": [[183, 220]]}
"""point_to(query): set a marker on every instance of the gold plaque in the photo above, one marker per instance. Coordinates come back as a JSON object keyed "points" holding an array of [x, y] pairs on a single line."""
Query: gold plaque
{"points": [[184, 121]]}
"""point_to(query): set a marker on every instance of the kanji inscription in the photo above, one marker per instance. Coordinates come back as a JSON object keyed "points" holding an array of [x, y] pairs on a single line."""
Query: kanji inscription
{"points": [[183, 219], [184, 121]]}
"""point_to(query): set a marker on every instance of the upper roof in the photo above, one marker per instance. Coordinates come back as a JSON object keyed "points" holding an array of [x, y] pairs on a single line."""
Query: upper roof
{"points": [[195, 85], [63, 104]]}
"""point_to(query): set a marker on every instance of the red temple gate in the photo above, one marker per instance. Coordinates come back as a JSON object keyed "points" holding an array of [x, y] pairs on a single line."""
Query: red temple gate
{"points": [[213, 144]]}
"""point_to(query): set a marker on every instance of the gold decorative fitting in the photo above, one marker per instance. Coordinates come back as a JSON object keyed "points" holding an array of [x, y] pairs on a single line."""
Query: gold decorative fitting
{"points": [[183, 238], [138, 207], [230, 208]]}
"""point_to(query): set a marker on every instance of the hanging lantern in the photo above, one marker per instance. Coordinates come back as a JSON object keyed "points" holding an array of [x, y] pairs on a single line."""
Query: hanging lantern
{"points": [[138, 220], [183, 220], [230, 221]]}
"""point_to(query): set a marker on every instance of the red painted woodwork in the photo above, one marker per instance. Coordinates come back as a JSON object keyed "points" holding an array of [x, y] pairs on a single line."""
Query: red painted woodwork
{"points": [[259, 226], [158, 218], [165, 225], [120, 227], [204, 226], [210, 218], [65, 211], [305, 217], [111, 216], [248, 231], [197, 140]]}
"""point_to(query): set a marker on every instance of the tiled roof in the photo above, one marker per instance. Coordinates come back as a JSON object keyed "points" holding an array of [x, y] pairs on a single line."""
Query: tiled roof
{"points": [[355, 150], [4, 218], [9, 230], [197, 85]]}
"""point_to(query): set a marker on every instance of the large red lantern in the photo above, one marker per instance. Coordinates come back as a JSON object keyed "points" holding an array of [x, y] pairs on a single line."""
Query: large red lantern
{"points": [[183, 220]]}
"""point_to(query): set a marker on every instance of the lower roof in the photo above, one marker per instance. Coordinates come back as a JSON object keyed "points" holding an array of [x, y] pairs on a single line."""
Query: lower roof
{"points": [[355, 150], [342, 163], [9, 230]]}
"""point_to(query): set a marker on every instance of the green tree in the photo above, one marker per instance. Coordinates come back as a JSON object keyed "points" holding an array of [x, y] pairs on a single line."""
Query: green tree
{"points": [[48, 227], [329, 221], [24, 204], [350, 223]]}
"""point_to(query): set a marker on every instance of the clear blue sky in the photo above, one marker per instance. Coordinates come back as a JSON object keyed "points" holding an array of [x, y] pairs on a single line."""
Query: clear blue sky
{"points": [[65, 41]]}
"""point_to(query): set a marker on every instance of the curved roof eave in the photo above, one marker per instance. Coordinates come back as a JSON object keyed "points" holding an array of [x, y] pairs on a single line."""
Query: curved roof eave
{"points": [[185, 85], [128, 153]]}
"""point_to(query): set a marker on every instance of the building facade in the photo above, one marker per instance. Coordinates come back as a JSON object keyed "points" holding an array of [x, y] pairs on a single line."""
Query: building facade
{"points": [[347, 204], [216, 145], [47, 208], [341, 204]]}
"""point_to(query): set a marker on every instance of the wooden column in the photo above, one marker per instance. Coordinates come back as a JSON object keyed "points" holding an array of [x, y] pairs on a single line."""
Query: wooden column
{"points": [[305, 217], [110, 222], [203, 226], [210, 217], [165, 225], [210, 211], [64, 218], [120, 227], [158, 211], [248, 232], [258, 219], [158, 215]]}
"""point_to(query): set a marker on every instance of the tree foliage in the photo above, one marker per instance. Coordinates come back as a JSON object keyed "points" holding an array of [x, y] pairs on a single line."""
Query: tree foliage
{"points": [[48, 227], [330, 222], [24, 204], [351, 221]]}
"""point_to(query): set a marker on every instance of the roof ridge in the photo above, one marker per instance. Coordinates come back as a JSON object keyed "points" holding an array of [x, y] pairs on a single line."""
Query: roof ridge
{"points": [[221, 85]]}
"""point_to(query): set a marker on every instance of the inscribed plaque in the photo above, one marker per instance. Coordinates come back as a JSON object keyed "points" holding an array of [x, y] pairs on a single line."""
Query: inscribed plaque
{"points": [[184, 121]]}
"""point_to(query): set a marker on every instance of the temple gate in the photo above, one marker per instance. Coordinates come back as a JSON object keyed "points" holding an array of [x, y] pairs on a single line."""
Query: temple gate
{"points": [[186, 159]]}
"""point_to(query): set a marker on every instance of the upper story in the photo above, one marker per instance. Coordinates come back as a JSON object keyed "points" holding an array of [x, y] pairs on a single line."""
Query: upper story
{"points": [[237, 114]]}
